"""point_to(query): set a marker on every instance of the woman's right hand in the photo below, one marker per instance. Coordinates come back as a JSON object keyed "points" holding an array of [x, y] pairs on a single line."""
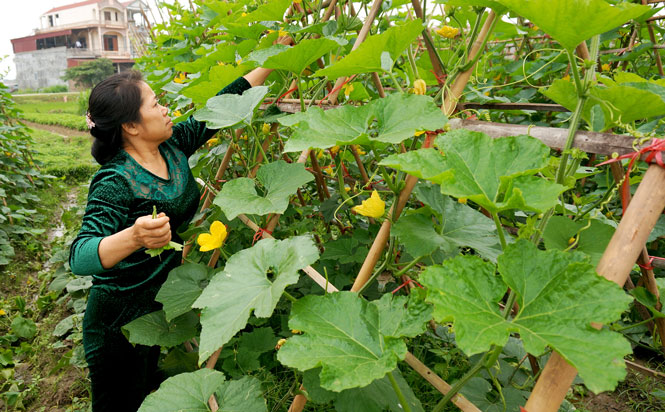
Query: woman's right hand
{"points": [[152, 233]]}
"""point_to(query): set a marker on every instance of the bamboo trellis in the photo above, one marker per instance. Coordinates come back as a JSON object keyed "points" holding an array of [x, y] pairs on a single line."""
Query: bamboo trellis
{"points": [[626, 246]]}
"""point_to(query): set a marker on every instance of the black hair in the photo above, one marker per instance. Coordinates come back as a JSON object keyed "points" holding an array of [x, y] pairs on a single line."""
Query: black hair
{"points": [[113, 101]]}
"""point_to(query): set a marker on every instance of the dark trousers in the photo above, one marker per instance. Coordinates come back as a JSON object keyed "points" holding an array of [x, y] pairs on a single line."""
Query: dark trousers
{"points": [[121, 374]]}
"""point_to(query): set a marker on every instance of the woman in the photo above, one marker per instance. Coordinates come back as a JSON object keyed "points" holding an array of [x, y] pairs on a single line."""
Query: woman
{"points": [[144, 164]]}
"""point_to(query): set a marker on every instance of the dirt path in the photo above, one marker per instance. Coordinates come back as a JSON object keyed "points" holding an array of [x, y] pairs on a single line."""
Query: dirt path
{"points": [[61, 130]]}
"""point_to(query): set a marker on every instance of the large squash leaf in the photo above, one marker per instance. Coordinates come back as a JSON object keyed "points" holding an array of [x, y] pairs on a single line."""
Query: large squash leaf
{"points": [[154, 329], [190, 392], [279, 181], [378, 396], [297, 58], [592, 236], [182, 287], [389, 120], [370, 56], [620, 103], [218, 78], [570, 22], [353, 341], [252, 280], [559, 295], [494, 173], [457, 226], [229, 110]]}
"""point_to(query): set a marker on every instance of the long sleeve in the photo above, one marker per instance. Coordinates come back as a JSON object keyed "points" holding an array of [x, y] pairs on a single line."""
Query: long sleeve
{"points": [[106, 213], [190, 134]]}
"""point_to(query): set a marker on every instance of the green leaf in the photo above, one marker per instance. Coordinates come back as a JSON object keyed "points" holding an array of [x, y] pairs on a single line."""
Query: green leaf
{"points": [[477, 390], [467, 291], [261, 55], [592, 240], [279, 180], [378, 396], [297, 58], [190, 392], [244, 286], [622, 103], [648, 300], [182, 287], [493, 173], [397, 116], [570, 22], [270, 11], [154, 329], [185, 392], [368, 56], [242, 395], [158, 251], [218, 78], [24, 328], [229, 110], [461, 226], [353, 341]]}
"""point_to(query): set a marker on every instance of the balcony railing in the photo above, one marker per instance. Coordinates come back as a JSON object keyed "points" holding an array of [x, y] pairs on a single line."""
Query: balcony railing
{"points": [[84, 52]]}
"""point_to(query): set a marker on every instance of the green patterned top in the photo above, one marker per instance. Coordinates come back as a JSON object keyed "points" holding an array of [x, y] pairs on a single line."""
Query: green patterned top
{"points": [[122, 191]]}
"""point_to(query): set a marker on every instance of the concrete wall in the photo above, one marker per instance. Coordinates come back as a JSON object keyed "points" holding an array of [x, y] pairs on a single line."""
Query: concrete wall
{"points": [[41, 68]]}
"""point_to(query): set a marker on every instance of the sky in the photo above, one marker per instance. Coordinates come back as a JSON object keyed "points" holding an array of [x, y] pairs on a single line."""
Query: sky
{"points": [[22, 19]]}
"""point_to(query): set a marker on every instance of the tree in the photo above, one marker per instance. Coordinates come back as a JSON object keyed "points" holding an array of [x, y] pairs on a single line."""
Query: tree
{"points": [[90, 73]]}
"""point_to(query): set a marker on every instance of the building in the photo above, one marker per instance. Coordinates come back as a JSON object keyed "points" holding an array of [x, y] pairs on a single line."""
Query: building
{"points": [[73, 34]]}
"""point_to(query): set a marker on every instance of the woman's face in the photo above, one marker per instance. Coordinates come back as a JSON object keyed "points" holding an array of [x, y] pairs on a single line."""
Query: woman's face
{"points": [[155, 124]]}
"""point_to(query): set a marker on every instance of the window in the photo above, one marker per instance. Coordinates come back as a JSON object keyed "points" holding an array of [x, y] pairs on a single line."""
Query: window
{"points": [[116, 16], [50, 21], [110, 43], [107, 15]]}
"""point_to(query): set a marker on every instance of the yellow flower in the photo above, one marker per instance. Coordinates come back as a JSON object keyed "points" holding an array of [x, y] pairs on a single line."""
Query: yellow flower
{"points": [[571, 240], [212, 142], [177, 113], [297, 1], [448, 32], [419, 87], [334, 150], [243, 137], [2, 312], [280, 343], [220, 63], [566, 77], [296, 331], [372, 207], [348, 89], [214, 239], [243, 14], [487, 93], [282, 33], [265, 128], [328, 170], [319, 154], [418, 133], [605, 67], [462, 200], [180, 78], [359, 150]]}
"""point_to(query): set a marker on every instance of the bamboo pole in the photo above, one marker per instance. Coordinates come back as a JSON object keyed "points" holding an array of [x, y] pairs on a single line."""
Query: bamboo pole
{"points": [[615, 265], [453, 96], [361, 38], [647, 272]]}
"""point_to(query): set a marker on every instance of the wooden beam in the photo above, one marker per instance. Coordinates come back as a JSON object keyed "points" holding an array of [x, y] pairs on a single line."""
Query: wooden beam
{"points": [[540, 107], [590, 142]]}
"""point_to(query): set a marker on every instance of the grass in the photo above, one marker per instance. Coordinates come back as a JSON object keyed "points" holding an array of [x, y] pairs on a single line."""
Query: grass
{"points": [[64, 156], [61, 110]]}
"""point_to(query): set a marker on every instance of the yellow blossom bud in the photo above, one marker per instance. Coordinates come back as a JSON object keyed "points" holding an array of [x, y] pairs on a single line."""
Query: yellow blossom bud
{"points": [[280, 343], [448, 32], [419, 87]]}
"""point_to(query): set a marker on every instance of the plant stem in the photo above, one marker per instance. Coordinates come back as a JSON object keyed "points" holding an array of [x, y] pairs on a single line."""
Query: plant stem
{"points": [[397, 85], [499, 229], [289, 296], [576, 73], [460, 383], [302, 99], [409, 266], [405, 405]]}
